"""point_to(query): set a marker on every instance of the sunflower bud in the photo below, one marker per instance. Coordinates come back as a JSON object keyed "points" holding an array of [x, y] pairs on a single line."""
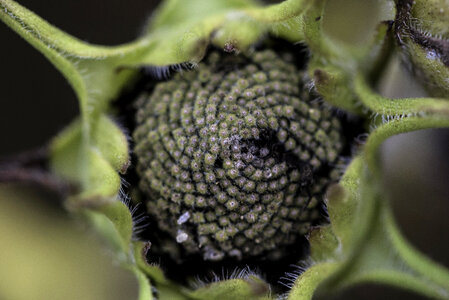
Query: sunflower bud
{"points": [[233, 157]]}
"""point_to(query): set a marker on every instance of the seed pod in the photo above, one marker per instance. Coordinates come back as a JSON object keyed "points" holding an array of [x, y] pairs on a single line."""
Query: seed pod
{"points": [[422, 30], [233, 157]]}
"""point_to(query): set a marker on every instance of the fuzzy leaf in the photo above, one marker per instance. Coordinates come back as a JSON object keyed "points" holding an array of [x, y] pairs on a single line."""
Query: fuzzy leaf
{"points": [[145, 292], [342, 203], [374, 254], [107, 229], [397, 107], [250, 287], [371, 247], [329, 81], [307, 283], [184, 29], [333, 64], [372, 251], [432, 67], [153, 271], [95, 165], [397, 126], [323, 243]]}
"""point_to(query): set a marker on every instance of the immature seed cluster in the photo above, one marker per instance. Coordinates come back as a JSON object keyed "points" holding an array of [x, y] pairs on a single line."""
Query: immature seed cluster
{"points": [[233, 157]]}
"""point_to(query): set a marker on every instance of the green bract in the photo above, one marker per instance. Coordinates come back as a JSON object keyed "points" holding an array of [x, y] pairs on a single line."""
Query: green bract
{"points": [[361, 243], [423, 32]]}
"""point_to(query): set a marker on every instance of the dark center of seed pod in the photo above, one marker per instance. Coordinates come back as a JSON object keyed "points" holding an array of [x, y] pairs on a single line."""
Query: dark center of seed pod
{"points": [[233, 157]]}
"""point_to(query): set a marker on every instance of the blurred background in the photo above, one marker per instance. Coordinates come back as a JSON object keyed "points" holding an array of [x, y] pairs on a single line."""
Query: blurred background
{"points": [[46, 254]]}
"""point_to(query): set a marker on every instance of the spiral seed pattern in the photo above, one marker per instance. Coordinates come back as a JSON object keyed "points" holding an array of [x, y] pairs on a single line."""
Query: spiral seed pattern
{"points": [[233, 158]]}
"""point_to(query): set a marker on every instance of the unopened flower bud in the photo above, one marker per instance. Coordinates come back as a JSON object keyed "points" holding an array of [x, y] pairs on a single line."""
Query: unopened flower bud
{"points": [[231, 159]]}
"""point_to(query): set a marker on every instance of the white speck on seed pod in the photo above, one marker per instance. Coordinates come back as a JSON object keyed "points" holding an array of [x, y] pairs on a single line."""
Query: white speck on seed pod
{"points": [[181, 236], [183, 218]]}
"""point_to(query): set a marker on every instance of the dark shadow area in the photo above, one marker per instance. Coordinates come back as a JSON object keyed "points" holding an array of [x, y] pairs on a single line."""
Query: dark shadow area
{"points": [[417, 182]]}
